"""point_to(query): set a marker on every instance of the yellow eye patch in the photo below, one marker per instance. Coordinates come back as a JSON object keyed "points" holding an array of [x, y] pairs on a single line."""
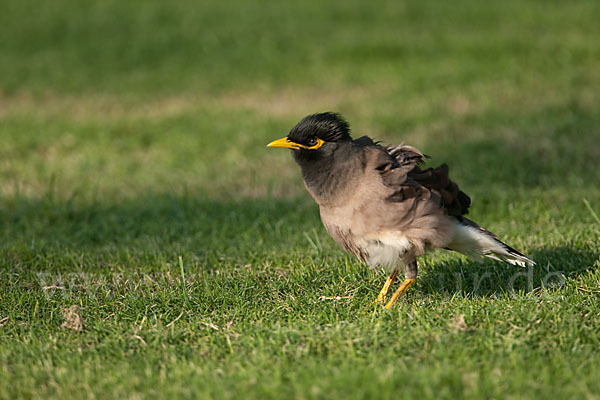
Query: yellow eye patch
{"points": [[288, 144]]}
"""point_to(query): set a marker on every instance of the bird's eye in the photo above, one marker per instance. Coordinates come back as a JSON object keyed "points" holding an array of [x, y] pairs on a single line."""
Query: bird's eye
{"points": [[312, 142]]}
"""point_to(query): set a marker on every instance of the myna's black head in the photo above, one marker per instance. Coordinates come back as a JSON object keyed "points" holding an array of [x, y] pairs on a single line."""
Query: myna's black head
{"points": [[328, 126], [320, 144], [315, 135]]}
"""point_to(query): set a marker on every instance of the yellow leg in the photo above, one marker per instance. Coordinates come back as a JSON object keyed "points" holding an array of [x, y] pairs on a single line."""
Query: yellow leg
{"points": [[400, 291], [386, 286]]}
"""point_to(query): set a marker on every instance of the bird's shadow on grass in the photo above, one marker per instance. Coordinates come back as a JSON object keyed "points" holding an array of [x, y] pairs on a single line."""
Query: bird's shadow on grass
{"points": [[42, 234], [554, 267]]}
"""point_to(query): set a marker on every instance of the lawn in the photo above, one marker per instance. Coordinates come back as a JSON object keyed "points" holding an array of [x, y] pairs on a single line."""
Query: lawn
{"points": [[151, 246]]}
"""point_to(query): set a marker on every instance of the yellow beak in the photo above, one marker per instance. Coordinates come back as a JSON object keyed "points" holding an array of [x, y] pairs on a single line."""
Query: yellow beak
{"points": [[286, 143]]}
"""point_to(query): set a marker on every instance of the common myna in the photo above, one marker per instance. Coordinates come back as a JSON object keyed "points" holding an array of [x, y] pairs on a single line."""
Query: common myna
{"points": [[380, 205]]}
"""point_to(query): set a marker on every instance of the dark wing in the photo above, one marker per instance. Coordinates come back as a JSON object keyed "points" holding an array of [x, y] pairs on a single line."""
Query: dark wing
{"points": [[455, 201], [400, 168], [395, 163], [407, 157]]}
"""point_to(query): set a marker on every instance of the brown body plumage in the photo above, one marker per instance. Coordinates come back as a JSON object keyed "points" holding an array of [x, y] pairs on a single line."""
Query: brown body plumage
{"points": [[378, 204]]}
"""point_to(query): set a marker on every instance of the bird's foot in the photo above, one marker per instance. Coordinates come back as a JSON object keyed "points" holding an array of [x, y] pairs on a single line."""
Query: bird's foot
{"points": [[400, 291], [386, 286]]}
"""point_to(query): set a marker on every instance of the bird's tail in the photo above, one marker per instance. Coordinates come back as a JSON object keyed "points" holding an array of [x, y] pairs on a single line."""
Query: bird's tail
{"points": [[475, 242]]}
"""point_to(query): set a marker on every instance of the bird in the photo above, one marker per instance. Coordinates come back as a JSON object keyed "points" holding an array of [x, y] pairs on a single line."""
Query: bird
{"points": [[379, 203]]}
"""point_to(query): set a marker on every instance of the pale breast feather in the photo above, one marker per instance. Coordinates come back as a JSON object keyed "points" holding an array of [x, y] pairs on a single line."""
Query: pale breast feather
{"points": [[387, 249], [347, 241]]}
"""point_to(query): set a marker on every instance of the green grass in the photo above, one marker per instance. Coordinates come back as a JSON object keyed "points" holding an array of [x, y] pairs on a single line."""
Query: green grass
{"points": [[134, 133]]}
